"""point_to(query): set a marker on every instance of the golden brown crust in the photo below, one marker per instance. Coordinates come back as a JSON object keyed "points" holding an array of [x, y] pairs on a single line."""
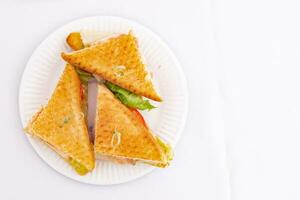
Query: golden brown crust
{"points": [[61, 122], [105, 59], [135, 140], [34, 117]]}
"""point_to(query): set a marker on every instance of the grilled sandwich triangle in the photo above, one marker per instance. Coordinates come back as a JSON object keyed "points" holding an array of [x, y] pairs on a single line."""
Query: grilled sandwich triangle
{"points": [[116, 60], [61, 123], [121, 136]]}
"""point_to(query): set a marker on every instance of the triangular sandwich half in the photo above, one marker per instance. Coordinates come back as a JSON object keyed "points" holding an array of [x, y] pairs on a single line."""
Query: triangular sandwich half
{"points": [[61, 123], [121, 135], [116, 60]]}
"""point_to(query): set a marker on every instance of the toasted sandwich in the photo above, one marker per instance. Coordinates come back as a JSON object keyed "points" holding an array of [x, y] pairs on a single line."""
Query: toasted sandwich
{"points": [[122, 135], [61, 123], [118, 61]]}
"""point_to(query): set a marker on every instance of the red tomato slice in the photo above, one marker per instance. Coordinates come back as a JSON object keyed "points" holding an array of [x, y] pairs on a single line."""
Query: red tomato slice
{"points": [[81, 92], [139, 116]]}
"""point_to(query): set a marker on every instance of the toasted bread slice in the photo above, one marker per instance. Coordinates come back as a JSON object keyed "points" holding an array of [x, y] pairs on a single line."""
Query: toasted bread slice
{"points": [[121, 135], [61, 123], [117, 60]]}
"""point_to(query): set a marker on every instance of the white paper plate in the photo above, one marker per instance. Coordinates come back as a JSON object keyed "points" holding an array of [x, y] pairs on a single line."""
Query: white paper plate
{"points": [[45, 66]]}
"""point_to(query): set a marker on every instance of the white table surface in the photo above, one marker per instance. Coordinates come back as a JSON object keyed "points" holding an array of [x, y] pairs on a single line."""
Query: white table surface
{"points": [[199, 170], [258, 74]]}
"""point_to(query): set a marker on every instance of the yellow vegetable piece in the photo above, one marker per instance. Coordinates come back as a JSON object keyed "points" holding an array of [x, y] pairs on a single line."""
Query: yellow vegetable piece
{"points": [[74, 41], [79, 168], [166, 148]]}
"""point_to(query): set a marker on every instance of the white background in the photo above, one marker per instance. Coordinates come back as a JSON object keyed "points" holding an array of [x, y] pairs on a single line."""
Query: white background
{"points": [[241, 60], [259, 77], [199, 170]]}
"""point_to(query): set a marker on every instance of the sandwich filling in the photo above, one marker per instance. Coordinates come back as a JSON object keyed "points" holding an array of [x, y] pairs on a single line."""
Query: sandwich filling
{"points": [[166, 148], [76, 165]]}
